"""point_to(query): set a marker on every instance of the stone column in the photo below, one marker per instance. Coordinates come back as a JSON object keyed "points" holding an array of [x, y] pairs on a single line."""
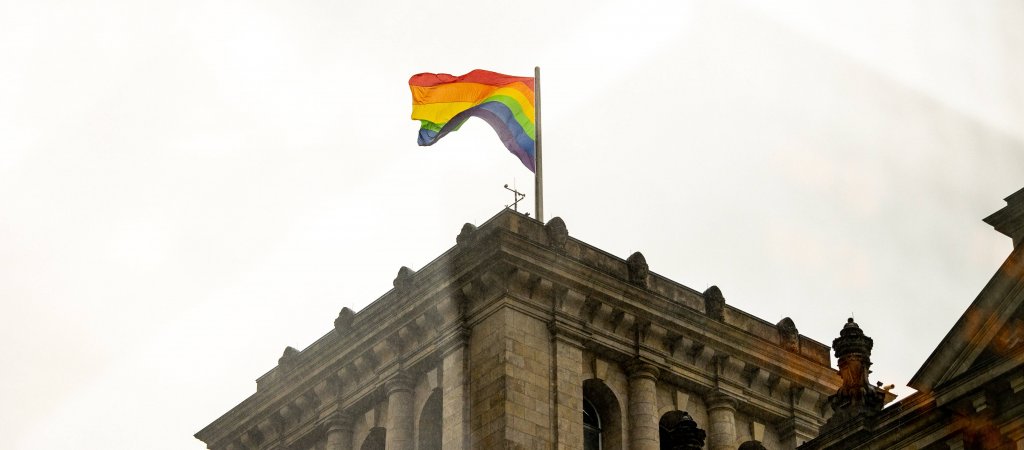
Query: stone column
{"points": [[643, 407], [722, 429], [339, 432], [400, 413]]}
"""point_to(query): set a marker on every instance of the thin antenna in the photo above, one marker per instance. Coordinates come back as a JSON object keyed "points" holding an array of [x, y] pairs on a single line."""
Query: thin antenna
{"points": [[516, 197]]}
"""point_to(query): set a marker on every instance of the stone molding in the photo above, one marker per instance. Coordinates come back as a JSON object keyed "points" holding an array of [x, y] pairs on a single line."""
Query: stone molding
{"points": [[398, 383], [641, 369], [720, 400], [339, 421], [581, 291]]}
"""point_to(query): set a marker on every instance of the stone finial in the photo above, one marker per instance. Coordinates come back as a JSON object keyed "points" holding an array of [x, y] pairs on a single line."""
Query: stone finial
{"points": [[557, 233], [638, 270], [466, 235], [789, 336], [287, 359], [714, 303], [344, 320], [403, 281], [856, 396]]}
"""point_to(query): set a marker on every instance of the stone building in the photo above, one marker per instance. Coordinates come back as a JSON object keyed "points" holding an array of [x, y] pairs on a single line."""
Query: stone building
{"points": [[521, 337], [970, 391]]}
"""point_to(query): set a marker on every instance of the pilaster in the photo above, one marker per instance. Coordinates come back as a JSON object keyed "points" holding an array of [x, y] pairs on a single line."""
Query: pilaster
{"points": [[454, 404], [567, 386]]}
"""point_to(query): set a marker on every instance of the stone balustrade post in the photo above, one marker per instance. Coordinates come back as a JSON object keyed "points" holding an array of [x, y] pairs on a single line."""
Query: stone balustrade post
{"points": [[339, 432], [400, 413], [643, 407], [722, 429]]}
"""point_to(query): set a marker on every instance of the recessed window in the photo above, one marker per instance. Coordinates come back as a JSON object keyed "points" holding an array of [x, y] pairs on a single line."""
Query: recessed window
{"points": [[591, 427]]}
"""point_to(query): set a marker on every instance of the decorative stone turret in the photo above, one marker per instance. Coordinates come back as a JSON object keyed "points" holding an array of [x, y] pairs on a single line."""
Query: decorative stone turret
{"points": [[856, 398]]}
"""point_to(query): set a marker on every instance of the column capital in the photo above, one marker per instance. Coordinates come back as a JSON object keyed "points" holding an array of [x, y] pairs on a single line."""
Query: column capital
{"points": [[337, 421], [719, 400], [642, 369], [398, 383]]}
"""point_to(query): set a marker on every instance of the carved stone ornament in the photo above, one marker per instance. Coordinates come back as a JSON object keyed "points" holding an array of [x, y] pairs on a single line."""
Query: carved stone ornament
{"points": [[557, 233], [638, 269], [403, 281], [789, 336], [856, 397], [344, 320], [287, 359], [466, 235], [714, 303]]}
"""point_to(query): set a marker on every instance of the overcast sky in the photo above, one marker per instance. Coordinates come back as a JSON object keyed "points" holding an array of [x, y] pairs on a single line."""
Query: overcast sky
{"points": [[188, 187]]}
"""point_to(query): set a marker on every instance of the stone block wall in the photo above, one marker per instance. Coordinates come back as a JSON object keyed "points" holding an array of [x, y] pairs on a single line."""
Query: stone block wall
{"points": [[510, 387]]}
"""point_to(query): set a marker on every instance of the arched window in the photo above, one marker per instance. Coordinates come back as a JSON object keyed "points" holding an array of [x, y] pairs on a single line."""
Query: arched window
{"points": [[602, 417], [430, 423], [591, 427]]}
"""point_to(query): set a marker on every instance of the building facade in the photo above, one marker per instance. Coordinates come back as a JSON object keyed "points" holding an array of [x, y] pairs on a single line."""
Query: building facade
{"points": [[521, 337], [970, 391]]}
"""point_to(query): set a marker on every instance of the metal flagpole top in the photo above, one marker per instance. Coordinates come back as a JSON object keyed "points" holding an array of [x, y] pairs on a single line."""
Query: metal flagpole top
{"points": [[538, 174]]}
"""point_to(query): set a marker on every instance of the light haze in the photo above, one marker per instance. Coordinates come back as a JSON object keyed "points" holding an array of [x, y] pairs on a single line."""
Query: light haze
{"points": [[188, 187]]}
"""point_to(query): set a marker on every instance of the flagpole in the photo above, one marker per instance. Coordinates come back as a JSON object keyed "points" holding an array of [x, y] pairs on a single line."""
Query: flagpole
{"points": [[538, 175]]}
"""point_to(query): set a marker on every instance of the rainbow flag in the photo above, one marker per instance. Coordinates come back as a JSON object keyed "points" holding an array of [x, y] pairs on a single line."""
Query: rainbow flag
{"points": [[443, 102]]}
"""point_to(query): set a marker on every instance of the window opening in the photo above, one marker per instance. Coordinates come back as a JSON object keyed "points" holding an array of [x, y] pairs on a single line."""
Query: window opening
{"points": [[591, 427]]}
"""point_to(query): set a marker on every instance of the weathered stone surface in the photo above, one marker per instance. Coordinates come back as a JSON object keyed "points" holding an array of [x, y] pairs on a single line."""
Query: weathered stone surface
{"points": [[638, 270], [466, 235], [287, 359], [403, 281], [789, 336], [344, 320], [714, 303], [856, 397], [509, 334], [557, 233]]}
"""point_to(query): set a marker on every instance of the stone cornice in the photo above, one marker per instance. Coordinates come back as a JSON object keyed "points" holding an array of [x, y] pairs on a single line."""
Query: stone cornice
{"points": [[584, 292]]}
